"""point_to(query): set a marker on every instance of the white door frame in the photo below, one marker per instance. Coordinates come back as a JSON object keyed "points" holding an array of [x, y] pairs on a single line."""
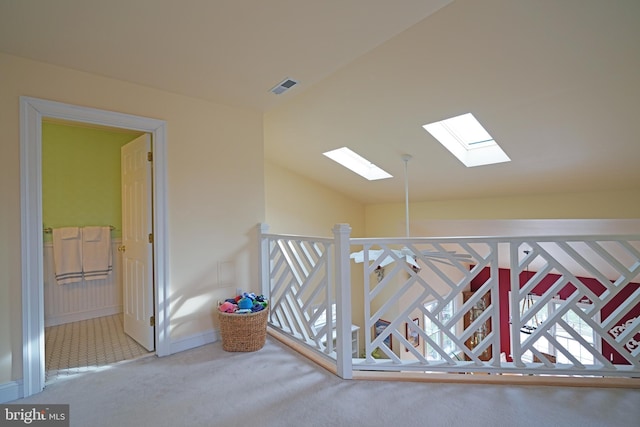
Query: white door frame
{"points": [[32, 111]]}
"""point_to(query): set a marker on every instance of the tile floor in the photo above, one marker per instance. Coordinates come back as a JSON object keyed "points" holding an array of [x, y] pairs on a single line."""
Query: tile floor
{"points": [[88, 345]]}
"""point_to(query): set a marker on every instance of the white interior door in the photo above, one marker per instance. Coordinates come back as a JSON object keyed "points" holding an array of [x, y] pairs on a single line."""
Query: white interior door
{"points": [[137, 249]]}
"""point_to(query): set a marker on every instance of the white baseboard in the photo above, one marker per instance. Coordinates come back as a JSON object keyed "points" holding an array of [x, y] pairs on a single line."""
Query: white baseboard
{"points": [[11, 391], [82, 315], [197, 340]]}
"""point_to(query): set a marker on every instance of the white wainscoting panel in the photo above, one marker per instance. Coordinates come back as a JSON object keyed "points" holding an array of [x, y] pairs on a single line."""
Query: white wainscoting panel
{"points": [[83, 300]]}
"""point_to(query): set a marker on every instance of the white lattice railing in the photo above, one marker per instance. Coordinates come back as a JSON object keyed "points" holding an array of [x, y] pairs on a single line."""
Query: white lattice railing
{"points": [[576, 297], [301, 290]]}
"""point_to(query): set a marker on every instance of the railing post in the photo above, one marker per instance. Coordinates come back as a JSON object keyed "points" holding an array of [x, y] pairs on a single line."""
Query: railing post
{"points": [[514, 303], [495, 304], [263, 257], [341, 233]]}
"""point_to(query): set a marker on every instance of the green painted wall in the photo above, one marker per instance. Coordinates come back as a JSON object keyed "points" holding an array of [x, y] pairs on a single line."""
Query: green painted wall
{"points": [[81, 176]]}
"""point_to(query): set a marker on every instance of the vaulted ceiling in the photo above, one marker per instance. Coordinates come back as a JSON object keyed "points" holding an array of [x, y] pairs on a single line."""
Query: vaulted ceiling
{"points": [[556, 82]]}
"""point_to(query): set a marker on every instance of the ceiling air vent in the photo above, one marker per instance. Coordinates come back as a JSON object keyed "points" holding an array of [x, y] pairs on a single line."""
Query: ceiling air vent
{"points": [[284, 86]]}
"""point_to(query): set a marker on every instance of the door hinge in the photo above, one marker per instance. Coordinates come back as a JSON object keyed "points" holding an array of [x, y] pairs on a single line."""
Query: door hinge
{"points": [[152, 321], [150, 156], [150, 237]]}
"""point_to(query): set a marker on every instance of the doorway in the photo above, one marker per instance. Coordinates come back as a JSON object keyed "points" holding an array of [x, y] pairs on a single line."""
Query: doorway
{"points": [[83, 181], [33, 111]]}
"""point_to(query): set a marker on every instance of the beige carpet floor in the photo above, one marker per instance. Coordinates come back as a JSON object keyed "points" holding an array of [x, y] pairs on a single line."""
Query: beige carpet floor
{"points": [[276, 387]]}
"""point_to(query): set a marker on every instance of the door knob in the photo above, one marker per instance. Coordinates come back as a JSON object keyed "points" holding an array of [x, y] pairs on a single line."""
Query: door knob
{"points": [[121, 248]]}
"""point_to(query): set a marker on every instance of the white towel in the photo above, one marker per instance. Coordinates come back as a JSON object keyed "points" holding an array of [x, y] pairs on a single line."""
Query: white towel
{"points": [[67, 254], [92, 234], [96, 253], [70, 232]]}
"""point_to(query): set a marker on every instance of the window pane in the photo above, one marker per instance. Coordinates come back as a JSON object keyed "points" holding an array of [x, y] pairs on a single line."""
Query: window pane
{"points": [[436, 334], [562, 336]]}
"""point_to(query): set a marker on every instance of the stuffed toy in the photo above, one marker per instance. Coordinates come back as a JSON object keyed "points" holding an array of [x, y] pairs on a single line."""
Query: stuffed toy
{"points": [[257, 307], [245, 303], [249, 295], [227, 307]]}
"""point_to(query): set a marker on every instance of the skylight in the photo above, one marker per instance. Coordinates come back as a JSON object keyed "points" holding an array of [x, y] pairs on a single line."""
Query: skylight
{"points": [[466, 139], [357, 164]]}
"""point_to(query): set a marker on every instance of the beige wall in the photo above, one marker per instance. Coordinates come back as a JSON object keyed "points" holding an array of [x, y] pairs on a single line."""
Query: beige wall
{"points": [[388, 219], [215, 192], [297, 205]]}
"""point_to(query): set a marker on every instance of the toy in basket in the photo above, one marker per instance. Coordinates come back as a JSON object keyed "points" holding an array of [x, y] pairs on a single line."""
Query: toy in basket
{"points": [[243, 322]]}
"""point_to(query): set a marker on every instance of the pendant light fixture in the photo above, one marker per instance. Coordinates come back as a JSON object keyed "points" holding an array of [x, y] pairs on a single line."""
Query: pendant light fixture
{"points": [[527, 303]]}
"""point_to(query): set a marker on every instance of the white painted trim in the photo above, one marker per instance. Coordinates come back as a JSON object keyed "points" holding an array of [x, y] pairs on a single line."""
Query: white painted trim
{"points": [[10, 391], [79, 316], [31, 255], [193, 341], [32, 111]]}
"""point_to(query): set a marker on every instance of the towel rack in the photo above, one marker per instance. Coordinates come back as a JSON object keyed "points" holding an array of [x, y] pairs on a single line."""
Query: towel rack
{"points": [[50, 230]]}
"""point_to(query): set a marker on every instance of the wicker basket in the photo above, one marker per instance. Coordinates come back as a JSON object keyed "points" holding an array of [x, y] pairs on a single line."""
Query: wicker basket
{"points": [[243, 332]]}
